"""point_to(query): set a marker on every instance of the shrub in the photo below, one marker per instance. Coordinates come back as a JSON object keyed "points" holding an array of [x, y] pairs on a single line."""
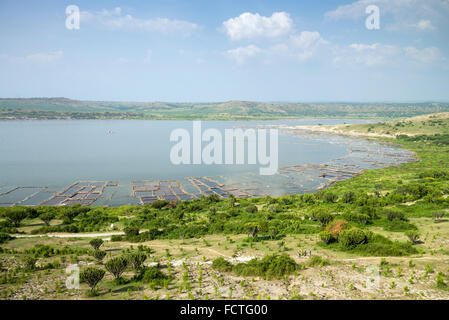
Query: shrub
{"points": [[251, 209], [324, 218], [413, 236], [29, 263], [136, 259], [92, 276], [272, 266], [336, 227], [330, 197], [159, 204], [317, 261], [349, 197], [117, 266], [116, 237], [4, 237], [326, 236], [221, 264], [96, 243], [352, 238], [151, 275], [131, 231], [394, 215], [99, 255]]}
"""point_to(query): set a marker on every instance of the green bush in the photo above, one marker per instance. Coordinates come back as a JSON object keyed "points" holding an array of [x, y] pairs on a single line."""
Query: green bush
{"points": [[317, 261], [271, 266], [352, 238], [251, 209], [159, 204], [326, 237], [221, 264], [151, 275]]}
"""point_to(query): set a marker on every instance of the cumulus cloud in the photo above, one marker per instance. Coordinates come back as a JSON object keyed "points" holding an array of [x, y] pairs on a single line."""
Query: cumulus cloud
{"points": [[116, 20], [252, 25], [241, 54], [306, 44]]}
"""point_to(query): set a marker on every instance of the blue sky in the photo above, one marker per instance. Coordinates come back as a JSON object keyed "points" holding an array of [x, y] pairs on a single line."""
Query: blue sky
{"points": [[206, 50]]}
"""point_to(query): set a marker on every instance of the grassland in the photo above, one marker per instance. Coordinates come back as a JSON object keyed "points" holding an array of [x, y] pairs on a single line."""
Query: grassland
{"points": [[63, 108], [393, 220]]}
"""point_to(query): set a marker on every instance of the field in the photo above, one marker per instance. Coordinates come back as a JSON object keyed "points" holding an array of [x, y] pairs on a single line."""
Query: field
{"points": [[381, 235]]}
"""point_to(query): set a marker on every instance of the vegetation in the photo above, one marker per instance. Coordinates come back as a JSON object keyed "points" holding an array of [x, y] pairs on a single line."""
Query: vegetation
{"points": [[92, 276]]}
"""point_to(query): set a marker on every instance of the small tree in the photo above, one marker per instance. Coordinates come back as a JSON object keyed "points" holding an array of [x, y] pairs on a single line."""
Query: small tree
{"points": [[413, 236], [92, 276], [273, 231], [324, 218], [136, 259], [16, 215], [117, 266], [252, 228], [99, 255], [96, 243], [46, 217]]}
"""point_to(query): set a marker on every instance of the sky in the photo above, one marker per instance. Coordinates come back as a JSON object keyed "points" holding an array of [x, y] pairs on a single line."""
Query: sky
{"points": [[221, 50]]}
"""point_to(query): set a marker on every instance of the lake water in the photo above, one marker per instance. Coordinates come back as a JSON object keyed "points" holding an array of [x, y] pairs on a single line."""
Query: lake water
{"points": [[39, 159]]}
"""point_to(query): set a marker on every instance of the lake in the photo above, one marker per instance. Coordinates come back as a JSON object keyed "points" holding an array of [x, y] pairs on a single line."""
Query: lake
{"points": [[115, 162]]}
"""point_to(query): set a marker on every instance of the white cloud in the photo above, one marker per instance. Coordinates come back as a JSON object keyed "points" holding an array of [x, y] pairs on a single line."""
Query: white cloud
{"points": [[39, 58], [249, 25], [240, 55], [425, 25], [377, 55], [45, 57], [116, 20], [306, 44], [424, 56]]}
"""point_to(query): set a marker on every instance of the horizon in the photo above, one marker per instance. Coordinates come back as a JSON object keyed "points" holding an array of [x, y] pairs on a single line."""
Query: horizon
{"points": [[215, 51], [234, 100]]}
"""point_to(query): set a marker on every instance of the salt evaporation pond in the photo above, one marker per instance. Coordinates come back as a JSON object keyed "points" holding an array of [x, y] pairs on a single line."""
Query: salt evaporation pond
{"points": [[115, 162]]}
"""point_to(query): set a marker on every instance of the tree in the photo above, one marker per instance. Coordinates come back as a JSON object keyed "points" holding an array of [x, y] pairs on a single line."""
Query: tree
{"points": [[136, 259], [349, 197], [92, 276], [99, 255], [252, 228], [16, 215], [117, 266], [413, 236], [96, 243], [324, 218], [273, 231], [70, 214], [46, 217]]}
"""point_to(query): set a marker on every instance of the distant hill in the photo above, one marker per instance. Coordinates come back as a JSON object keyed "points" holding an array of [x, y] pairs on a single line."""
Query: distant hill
{"points": [[64, 108]]}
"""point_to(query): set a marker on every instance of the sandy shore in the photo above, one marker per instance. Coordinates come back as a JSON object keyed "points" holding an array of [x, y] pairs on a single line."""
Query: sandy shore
{"points": [[336, 129]]}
